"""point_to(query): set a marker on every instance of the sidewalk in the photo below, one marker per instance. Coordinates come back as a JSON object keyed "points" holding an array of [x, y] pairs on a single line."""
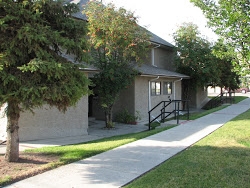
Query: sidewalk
{"points": [[96, 132], [120, 166]]}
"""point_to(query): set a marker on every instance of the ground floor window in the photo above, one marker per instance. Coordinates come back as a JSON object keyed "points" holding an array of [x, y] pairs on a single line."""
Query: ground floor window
{"points": [[155, 88], [167, 88]]}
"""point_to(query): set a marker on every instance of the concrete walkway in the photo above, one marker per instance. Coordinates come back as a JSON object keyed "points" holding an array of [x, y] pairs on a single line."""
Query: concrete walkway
{"points": [[120, 166], [96, 131]]}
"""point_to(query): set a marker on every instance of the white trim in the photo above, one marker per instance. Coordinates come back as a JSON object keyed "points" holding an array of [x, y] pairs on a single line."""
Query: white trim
{"points": [[149, 92]]}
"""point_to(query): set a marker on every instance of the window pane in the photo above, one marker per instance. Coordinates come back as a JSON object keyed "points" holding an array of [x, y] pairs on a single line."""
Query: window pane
{"points": [[167, 88], [158, 88], [152, 88], [155, 88]]}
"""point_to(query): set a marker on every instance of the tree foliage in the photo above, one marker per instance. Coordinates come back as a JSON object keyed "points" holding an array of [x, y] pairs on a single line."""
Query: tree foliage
{"points": [[230, 19], [33, 36], [228, 76], [206, 63], [117, 44], [194, 56]]}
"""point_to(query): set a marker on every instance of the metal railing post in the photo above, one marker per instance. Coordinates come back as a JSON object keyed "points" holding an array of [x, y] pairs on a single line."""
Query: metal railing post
{"points": [[149, 120], [178, 107], [174, 109]]}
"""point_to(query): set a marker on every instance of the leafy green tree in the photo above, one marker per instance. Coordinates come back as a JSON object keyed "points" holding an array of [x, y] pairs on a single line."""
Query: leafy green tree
{"points": [[230, 19], [194, 58], [228, 76], [32, 71], [117, 44]]}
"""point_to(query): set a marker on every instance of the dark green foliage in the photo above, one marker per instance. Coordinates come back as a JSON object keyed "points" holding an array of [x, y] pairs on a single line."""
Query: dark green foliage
{"points": [[228, 76], [205, 63], [194, 56], [33, 37], [125, 116]]}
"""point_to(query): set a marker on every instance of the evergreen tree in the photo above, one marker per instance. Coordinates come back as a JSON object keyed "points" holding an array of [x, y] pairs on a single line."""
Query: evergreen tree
{"points": [[33, 36]]}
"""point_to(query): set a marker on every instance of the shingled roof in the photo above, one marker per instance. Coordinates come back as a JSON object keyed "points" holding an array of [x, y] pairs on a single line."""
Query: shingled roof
{"points": [[150, 70], [158, 40], [81, 3], [86, 67]]}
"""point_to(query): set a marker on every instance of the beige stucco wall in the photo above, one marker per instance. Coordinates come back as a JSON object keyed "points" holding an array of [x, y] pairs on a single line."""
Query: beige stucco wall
{"points": [[164, 59], [202, 98], [135, 98], [142, 93], [141, 97], [49, 122], [198, 98], [126, 100]]}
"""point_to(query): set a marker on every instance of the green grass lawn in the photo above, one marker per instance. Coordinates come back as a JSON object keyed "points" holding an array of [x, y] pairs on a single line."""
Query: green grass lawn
{"points": [[239, 98], [72, 153], [220, 153], [222, 159], [197, 115]]}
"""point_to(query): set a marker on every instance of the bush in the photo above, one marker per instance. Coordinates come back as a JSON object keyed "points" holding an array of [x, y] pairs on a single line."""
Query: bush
{"points": [[126, 117]]}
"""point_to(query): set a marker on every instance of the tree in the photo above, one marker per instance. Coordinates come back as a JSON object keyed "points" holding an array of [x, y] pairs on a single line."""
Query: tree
{"points": [[117, 44], [194, 58], [230, 19], [228, 76], [32, 71]]}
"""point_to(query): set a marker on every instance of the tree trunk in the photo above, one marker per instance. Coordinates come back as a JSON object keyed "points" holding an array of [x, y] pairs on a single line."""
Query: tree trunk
{"points": [[185, 92], [109, 117], [12, 148]]}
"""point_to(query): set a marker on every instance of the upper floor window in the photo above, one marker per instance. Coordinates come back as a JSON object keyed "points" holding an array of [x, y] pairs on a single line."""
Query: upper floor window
{"points": [[167, 88], [155, 88]]}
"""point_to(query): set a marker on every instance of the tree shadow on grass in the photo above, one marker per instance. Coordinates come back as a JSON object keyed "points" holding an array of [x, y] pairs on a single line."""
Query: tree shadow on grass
{"points": [[201, 166]]}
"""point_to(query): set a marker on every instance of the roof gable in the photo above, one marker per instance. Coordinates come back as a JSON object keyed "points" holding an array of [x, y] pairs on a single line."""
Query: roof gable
{"points": [[158, 40], [81, 3]]}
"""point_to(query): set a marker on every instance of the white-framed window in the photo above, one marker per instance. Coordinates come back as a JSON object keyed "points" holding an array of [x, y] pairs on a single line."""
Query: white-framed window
{"points": [[155, 88], [167, 88]]}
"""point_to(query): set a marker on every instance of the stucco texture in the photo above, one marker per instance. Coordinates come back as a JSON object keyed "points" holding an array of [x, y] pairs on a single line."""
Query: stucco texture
{"points": [[136, 97], [48, 122], [51, 123]]}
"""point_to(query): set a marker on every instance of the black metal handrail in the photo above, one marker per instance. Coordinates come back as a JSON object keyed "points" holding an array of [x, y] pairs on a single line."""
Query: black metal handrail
{"points": [[216, 101], [221, 98], [164, 114]]}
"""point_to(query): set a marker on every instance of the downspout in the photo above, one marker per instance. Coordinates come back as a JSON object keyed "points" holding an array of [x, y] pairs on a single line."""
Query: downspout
{"points": [[149, 93], [174, 86]]}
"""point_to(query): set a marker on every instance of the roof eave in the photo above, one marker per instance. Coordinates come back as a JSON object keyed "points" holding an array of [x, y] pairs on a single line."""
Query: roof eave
{"points": [[165, 76], [89, 70]]}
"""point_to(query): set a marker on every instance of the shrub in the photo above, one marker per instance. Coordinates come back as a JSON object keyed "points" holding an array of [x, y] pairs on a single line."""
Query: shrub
{"points": [[126, 117]]}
